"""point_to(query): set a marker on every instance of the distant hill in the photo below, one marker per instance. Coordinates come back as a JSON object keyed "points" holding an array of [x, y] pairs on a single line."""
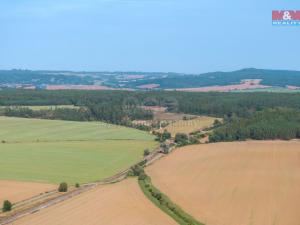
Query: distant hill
{"points": [[277, 78], [244, 79]]}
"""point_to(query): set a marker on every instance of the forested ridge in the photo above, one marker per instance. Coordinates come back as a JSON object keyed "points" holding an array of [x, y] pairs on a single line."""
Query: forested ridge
{"points": [[274, 78], [41, 78], [278, 78]]}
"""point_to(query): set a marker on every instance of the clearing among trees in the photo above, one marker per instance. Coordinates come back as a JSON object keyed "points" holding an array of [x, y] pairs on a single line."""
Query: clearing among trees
{"points": [[253, 182], [190, 125], [115, 204]]}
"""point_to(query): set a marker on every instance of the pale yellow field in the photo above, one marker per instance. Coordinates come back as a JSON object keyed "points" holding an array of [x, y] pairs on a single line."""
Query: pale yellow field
{"points": [[188, 126], [15, 191], [117, 204], [245, 183], [44, 107]]}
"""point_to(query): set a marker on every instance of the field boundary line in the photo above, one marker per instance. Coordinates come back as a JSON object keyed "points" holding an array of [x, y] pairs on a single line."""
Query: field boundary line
{"points": [[164, 203], [35, 207]]}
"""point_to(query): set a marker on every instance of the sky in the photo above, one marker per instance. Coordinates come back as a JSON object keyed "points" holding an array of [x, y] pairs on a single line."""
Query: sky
{"points": [[189, 36]]}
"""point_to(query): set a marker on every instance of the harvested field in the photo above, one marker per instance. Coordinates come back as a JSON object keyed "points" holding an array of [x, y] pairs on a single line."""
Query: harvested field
{"points": [[244, 85], [18, 191], [240, 183], [43, 107], [77, 87], [117, 204], [149, 86], [188, 126]]}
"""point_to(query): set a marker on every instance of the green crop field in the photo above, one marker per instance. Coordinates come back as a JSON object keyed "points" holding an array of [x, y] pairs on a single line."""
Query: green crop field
{"points": [[29, 130], [55, 151]]}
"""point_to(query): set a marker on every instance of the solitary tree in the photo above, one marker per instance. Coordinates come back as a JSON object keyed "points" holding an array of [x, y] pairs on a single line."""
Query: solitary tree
{"points": [[63, 187], [6, 206]]}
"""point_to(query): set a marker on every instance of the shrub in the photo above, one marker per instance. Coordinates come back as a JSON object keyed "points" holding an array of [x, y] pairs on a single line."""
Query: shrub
{"points": [[77, 185], [181, 139], [146, 152], [136, 170], [162, 136], [142, 176], [6, 206], [165, 135], [217, 123], [165, 148], [63, 187], [193, 140]]}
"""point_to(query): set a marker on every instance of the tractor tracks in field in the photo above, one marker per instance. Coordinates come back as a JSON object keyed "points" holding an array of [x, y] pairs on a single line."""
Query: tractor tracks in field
{"points": [[37, 203]]}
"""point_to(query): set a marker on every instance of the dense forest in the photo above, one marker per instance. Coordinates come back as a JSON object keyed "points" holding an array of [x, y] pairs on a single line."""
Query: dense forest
{"points": [[213, 104], [278, 123], [246, 115]]}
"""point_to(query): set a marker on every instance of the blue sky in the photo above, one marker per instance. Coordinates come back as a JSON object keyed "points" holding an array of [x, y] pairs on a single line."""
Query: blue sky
{"points": [[191, 36]]}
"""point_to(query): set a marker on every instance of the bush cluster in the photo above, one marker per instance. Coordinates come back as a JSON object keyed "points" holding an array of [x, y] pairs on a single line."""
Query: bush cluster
{"points": [[161, 137], [182, 139]]}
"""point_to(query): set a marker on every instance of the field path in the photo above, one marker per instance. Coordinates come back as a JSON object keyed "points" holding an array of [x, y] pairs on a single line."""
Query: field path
{"points": [[114, 204], [30, 207], [239, 183]]}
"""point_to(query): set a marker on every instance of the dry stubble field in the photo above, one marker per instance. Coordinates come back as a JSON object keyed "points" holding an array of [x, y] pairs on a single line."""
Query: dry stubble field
{"points": [[17, 191], [241, 183], [189, 126], [121, 203]]}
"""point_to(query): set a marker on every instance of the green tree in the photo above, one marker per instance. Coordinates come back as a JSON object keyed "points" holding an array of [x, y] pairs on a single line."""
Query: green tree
{"points": [[165, 135], [7, 206], [63, 187], [181, 139]]}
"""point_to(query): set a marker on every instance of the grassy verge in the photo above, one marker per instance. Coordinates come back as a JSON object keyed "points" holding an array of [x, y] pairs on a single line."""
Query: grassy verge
{"points": [[164, 203]]}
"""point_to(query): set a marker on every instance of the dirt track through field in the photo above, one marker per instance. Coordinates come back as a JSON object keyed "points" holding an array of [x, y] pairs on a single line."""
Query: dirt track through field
{"points": [[15, 191], [246, 183], [121, 203]]}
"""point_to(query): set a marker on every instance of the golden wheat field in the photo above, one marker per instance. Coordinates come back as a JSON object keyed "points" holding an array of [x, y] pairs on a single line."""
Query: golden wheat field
{"points": [[16, 191], [241, 183], [121, 203], [188, 126]]}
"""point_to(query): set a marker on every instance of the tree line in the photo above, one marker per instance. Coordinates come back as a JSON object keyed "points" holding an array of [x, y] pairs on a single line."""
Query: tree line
{"points": [[278, 123], [212, 103]]}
